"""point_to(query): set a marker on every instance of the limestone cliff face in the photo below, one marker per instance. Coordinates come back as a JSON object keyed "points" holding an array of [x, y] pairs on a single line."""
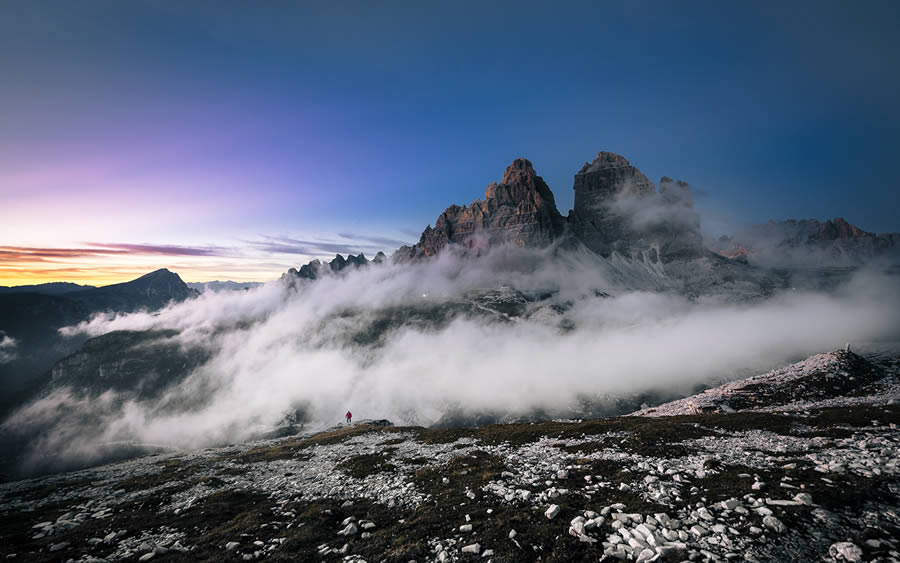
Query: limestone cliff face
{"points": [[617, 209], [608, 176], [519, 210]]}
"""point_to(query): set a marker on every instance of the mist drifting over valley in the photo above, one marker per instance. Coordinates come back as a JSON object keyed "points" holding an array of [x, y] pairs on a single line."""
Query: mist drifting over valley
{"points": [[503, 310], [511, 334]]}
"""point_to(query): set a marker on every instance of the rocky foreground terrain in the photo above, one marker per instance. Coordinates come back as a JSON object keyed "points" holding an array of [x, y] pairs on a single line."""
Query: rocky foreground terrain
{"points": [[810, 471]]}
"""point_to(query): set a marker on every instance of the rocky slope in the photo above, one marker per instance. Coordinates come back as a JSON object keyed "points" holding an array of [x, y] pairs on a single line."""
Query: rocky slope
{"points": [[819, 484], [839, 378]]}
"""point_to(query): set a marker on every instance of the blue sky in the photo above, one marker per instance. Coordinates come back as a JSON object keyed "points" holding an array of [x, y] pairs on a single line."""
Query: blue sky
{"points": [[224, 125]]}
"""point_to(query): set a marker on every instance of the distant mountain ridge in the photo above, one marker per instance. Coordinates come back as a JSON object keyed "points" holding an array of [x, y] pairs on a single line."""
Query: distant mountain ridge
{"points": [[33, 319], [618, 211], [778, 241], [52, 288], [150, 291], [315, 269]]}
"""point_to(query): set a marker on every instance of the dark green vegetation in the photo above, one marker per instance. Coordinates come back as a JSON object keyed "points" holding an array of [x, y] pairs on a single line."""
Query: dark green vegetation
{"points": [[292, 447], [361, 466]]}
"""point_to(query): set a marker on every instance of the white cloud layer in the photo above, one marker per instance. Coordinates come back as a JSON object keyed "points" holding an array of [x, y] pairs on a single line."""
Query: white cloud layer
{"points": [[275, 349]]}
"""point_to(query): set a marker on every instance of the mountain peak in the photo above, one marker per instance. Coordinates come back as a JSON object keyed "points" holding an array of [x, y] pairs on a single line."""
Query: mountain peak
{"points": [[603, 161], [838, 229], [521, 184], [519, 172], [160, 273], [520, 210], [316, 268]]}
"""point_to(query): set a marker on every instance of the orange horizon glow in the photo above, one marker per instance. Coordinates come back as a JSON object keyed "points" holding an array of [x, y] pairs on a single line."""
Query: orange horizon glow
{"points": [[94, 263], [98, 266], [108, 276]]}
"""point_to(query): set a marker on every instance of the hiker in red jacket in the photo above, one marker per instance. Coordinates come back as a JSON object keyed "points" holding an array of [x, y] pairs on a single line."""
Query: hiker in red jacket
{"points": [[349, 416]]}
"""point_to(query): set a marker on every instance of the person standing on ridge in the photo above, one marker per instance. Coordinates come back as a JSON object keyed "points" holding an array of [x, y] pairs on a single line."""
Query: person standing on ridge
{"points": [[349, 416]]}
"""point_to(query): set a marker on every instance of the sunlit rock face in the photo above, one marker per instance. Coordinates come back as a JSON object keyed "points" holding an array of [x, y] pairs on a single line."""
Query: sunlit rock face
{"points": [[519, 210], [617, 209]]}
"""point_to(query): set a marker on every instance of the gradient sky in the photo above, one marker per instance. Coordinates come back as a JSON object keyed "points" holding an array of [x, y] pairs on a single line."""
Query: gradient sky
{"points": [[233, 140]]}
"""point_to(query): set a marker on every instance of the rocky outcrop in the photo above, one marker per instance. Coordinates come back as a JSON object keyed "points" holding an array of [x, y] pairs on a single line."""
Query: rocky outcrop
{"points": [[838, 229], [617, 209], [609, 175], [673, 228], [835, 379], [316, 268], [599, 186], [519, 210]]}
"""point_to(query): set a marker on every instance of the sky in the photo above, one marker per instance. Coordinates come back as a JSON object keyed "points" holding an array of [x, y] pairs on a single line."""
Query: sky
{"points": [[233, 140]]}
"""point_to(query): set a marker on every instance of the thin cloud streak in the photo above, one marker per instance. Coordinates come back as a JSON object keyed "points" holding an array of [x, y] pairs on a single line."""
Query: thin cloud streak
{"points": [[361, 243], [41, 254], [255, 259], [165, 250], [382, 241]]}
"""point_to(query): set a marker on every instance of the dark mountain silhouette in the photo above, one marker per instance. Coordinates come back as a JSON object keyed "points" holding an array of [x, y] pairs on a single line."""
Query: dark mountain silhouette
{"points": [[33, 320], [52, 288]]}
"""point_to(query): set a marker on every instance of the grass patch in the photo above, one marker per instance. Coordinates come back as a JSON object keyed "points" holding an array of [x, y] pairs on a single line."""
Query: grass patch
{"points": [[292, 448], [361, 466], [172, 471]]}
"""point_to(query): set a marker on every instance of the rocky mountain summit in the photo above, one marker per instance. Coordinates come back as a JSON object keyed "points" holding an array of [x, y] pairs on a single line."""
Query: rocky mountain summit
{"points": [[818, 484], [620, 215], [520, 210], [617, 209]]}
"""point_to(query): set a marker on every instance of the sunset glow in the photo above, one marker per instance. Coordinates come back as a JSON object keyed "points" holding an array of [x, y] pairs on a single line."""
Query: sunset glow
{"points": [[192, 137]]}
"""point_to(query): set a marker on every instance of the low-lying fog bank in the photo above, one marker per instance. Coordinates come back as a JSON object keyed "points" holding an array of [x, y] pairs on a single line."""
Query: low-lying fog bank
{"points": [[516, 333]]}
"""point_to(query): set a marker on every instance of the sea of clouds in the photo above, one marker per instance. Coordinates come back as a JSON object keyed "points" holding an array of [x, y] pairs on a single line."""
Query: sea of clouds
{"points": [[283, 347]]}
